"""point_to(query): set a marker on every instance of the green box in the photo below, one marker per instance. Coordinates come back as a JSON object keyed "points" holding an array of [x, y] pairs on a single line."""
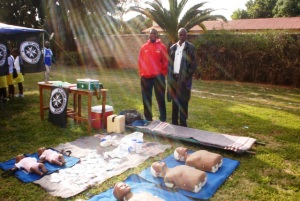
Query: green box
{"points": [[88, 84]]}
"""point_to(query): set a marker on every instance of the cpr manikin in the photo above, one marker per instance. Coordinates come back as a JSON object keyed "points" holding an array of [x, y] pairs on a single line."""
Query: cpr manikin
{"points": [[122, 192], [51, 156], [181, 177], [202, 159], [29, 164]]}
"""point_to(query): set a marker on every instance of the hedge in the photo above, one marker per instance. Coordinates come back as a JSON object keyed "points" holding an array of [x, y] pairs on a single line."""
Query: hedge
{"points": [[269, 57]]}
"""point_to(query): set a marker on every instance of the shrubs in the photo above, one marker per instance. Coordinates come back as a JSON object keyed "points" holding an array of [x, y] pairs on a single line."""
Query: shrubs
{"points": [[269, 57], [70, 58], [73, 58]]}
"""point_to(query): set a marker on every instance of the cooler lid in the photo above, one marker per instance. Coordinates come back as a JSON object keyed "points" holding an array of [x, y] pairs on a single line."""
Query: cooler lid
{"points": [[98, 108], [87, 80]]}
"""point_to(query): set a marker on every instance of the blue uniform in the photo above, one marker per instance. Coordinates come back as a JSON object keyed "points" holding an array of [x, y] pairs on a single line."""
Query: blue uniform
{"points": [[48, 57]]}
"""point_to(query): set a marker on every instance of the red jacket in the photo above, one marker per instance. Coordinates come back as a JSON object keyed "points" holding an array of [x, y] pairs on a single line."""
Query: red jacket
{"points": [[153, 59]]}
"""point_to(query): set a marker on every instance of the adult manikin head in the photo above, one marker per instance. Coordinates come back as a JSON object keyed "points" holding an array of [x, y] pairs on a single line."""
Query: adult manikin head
{"points": [[120, 191], [158, 169], [180, 153]]}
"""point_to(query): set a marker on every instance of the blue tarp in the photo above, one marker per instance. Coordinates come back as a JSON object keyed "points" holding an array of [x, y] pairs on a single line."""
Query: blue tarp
{"points": [[26, 177], [12, 29]]}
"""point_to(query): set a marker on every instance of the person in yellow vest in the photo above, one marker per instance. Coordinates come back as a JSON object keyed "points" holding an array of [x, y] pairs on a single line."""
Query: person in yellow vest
{"points": [[18, 66], [9, 76], [3, 73]]}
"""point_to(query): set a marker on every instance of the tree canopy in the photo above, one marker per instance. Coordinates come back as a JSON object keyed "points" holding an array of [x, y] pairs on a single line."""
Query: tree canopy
{"points": [[287, 8], [68, 19], [172, 18], [27, 13], [268, 9]]}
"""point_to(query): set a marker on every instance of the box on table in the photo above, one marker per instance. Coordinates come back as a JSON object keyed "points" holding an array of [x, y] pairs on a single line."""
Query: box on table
{"points": [[116, 123], [97, 114], [88, 84]]}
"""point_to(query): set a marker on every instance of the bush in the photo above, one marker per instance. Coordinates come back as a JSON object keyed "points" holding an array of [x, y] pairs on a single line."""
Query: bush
{"points": [[108, 62], [70, 58], [73, 58], [269, 57]]}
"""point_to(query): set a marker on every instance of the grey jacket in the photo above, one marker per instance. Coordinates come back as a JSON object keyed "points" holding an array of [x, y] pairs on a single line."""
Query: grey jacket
{"points": [[187, 68]]}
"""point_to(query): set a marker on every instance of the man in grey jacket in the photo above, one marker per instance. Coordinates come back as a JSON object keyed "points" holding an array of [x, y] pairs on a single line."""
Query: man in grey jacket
{"points": [[182, 65]]}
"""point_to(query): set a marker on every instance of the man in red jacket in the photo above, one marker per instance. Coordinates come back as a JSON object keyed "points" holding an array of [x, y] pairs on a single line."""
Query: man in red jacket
{"points": [[153, 67]]}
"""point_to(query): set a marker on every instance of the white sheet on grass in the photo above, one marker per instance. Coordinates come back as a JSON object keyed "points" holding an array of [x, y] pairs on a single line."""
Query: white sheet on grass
{"points": [[94, 168]]}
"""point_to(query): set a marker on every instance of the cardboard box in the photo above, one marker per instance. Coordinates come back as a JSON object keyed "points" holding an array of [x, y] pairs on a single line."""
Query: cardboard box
{"points": [[88, 84], [116, 123], [97, 114]]}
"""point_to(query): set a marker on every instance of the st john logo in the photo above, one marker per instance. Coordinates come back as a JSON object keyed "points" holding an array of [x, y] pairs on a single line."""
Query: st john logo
{"points": [[3, 52], [58, 101], [30, 52]]}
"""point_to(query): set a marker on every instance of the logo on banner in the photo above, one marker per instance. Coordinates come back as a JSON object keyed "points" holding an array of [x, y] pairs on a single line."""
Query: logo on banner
{"points": [[3, 52], [58, 101], [30, 52]]}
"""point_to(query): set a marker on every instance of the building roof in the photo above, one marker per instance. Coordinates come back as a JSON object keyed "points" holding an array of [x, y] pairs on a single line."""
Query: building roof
{"points": [[288, 23]]}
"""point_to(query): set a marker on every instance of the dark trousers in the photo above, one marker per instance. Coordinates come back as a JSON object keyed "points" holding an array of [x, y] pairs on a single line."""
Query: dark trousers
{"points": [[159, 85], [3, 93], [11, 90], [179, 107], [180, 102], [20, 86]]}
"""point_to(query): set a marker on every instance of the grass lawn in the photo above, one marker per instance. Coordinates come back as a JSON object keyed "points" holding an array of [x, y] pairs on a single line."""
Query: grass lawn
{"points": [[271, 114]]}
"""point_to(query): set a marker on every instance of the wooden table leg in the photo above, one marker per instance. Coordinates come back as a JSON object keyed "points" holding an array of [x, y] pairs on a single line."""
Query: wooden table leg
{"points": [[41, 102], [103, 94], [89, 112], [75, 106], [79, 107]]}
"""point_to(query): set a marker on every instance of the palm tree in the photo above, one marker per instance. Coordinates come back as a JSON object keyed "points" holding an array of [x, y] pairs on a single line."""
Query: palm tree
{"points": [[170, 20]]}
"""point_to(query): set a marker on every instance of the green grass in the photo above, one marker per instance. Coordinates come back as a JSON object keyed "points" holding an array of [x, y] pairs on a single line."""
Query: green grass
{"points": [[271, 114]]}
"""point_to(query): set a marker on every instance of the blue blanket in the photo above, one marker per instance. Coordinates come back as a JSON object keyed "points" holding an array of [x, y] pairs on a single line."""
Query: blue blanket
{"points": [[214, 180], [27, 177], [137, 185]]}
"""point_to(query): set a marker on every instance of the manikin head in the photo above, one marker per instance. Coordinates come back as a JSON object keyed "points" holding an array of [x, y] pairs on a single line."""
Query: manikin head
{"points": [[158, 169], [121, 189], [19, 157], [41, 150], [180, 153]]}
